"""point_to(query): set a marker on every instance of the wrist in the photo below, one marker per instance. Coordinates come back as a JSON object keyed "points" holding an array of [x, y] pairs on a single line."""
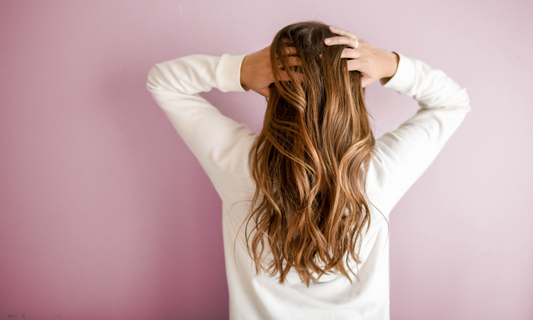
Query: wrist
{"points": [[244, 73], [392, 67]]}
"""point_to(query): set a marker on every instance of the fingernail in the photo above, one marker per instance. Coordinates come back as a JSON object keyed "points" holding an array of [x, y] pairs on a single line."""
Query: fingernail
{"points": [[327, 40], [332, 27]]}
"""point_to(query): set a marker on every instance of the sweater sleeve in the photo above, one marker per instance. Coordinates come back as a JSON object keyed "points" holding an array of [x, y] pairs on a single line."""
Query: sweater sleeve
{"points": [[402, 155], [217, 141]]}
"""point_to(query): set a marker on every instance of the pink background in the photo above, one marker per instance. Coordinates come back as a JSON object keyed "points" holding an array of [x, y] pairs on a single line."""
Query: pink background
{"points": [[105, 213]]}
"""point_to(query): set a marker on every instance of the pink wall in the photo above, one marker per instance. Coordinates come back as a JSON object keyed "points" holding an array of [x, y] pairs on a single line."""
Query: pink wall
{"points": [[105, 213]]}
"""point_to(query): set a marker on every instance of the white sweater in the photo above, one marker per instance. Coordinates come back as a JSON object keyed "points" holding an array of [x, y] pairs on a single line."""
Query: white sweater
{"points": [[221, 145]]}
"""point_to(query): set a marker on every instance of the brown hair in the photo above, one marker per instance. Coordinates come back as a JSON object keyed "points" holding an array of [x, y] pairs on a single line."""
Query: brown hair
{"points": [[310, 160]]}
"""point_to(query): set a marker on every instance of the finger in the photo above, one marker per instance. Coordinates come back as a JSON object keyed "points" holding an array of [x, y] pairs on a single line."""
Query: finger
{"points": [[264, 92], [342, 32], [340, 40], [365, 82], [350, 53], [354, 65]]}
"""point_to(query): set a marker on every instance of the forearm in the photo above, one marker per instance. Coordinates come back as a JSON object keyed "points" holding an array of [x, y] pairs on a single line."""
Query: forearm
{"points": [[402, 155], [196, 73]]}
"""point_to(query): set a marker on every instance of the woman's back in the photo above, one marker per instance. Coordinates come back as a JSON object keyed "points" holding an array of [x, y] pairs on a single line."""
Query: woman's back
{"points": [[222, 146]]}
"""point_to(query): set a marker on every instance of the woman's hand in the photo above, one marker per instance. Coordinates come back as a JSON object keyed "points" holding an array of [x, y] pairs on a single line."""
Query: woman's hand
{"points": [[373, 63], [256, 72]]}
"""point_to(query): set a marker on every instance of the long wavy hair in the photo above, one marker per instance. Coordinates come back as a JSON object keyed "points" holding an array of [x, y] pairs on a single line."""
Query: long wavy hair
{"points": [[310, 160]]}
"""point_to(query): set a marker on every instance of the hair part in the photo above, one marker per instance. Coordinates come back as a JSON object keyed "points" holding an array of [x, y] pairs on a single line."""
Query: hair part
{"points": [[310, 161]]}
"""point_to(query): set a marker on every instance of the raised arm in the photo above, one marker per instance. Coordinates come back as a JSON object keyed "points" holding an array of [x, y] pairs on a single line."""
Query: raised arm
{"points": [[217, 141], [404, 154]]}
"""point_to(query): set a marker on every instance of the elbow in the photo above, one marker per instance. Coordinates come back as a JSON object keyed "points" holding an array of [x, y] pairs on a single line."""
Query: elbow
{"points": [[462, 100], [153, 83], [466, 101]]}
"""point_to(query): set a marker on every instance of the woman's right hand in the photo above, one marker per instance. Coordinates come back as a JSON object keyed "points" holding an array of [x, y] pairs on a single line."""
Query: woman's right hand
{"points": [[373, 63]]}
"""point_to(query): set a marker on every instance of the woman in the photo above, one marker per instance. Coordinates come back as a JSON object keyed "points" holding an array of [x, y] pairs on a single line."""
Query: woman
{"points": [[314, 189]]}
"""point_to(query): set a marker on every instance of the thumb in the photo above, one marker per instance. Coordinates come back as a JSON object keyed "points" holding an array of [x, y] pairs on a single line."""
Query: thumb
{"points": [[264, 92], [365, 81]]}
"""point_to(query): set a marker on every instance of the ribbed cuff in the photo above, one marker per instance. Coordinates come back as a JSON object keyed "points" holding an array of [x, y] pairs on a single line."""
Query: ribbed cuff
{"points": [[405, 76], [229, 73]]}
